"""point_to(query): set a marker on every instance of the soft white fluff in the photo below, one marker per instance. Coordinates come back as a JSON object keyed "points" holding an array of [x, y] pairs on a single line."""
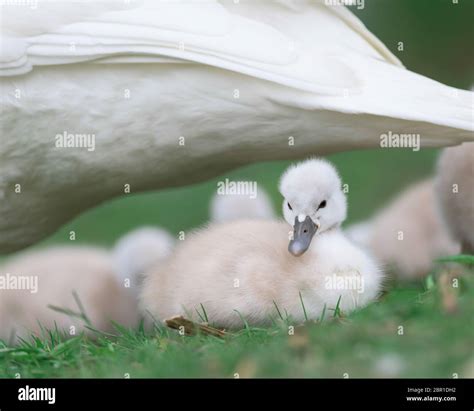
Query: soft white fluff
{"points": [[235, 79], [60, 271], [138, 251], [305, 186], [226, 208], [360, 233], [244, 267], [455, 193], [408, 234]]}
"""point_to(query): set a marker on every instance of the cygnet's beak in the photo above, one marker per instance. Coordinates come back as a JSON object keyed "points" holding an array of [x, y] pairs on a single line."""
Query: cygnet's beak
{"points": [[302, 235]]}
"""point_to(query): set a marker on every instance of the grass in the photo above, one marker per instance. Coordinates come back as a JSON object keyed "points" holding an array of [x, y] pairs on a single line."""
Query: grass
{"points": [[366, 343]]}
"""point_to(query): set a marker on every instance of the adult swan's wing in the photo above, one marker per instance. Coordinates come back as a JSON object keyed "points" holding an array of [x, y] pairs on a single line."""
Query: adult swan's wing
{"points": [[96, 96]]}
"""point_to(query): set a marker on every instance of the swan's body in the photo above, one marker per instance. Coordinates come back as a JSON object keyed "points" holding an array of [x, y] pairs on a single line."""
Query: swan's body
{"points": [[408, 234], [61, 271], [237, 80], [243, 268], [455, 193], [230, 207]]}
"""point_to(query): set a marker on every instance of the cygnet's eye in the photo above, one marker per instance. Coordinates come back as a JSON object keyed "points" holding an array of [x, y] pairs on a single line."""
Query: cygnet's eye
{"points": [[322, 205], [290, 207]]}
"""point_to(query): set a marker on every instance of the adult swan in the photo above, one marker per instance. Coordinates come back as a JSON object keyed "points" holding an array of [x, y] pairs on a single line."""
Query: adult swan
{"points": [[152, 94]]}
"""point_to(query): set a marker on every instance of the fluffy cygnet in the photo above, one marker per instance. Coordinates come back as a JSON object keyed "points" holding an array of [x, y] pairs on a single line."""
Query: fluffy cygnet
{"points": [[34, 280], [408, 234], [455, 193], [246, 269], [230, 207], [138, 251]]}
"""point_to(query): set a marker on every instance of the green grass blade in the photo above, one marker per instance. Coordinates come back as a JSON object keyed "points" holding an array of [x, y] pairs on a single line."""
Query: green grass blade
{"points": [[278, 310], [323, 314], [304, 308], [246, 324], [337, 311], [465, 259]]}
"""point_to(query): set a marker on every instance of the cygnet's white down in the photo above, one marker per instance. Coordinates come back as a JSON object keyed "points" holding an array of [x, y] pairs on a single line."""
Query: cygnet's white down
{"points": [[455, 193], [230, 207], [407, 235], [139, 250], [36, 280], [247, 270], [105, 282]]}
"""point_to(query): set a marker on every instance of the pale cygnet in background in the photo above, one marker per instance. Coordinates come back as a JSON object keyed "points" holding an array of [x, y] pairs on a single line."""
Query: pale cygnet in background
{"points": [[230, 207], [105, 282], [139, 250], [248, 268], [408, 234], [49, 277], [455, 193]]}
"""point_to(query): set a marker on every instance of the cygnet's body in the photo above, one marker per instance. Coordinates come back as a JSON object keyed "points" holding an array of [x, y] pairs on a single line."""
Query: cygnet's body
{"points": [[60, 271], [243, 268], [455, 193], [408, 234]]}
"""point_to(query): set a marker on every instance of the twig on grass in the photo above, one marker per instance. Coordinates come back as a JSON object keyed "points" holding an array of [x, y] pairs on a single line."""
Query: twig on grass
{"points": [[191, 328], [449, 298]]}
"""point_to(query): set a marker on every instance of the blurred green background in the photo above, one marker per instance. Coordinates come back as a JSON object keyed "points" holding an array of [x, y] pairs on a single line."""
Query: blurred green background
{"points": [[437, 37]]}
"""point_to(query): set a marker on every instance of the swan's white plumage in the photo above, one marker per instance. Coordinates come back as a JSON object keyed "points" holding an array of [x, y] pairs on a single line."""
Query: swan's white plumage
{"points": [[263, 40], [247, 77], [209, 33]]}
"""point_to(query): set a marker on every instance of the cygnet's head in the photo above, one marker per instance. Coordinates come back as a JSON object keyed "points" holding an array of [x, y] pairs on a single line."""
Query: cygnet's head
{"points": [[313, 201]]}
